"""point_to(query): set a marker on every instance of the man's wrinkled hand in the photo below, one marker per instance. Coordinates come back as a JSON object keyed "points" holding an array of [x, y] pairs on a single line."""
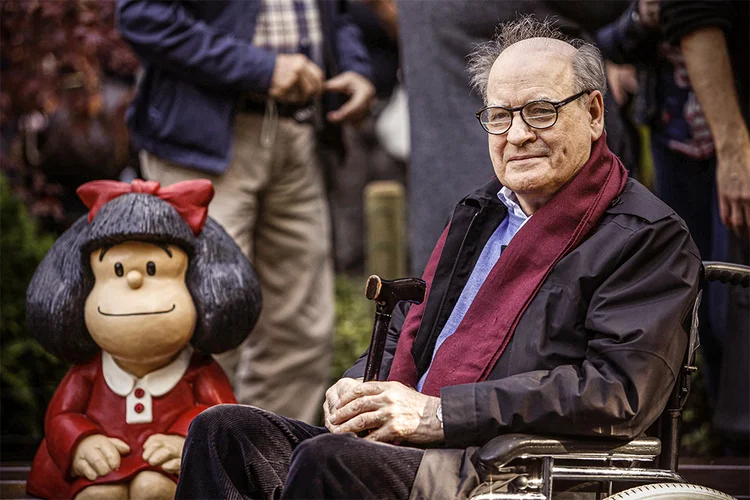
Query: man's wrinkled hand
{"points": [[164, 450], [360, 91], [392, 411], [296, 79], [97, 455], [333, 396], [733, 187]]}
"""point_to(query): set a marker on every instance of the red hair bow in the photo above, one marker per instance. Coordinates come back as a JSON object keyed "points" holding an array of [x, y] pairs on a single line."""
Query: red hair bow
{"points": [[189, 198]]}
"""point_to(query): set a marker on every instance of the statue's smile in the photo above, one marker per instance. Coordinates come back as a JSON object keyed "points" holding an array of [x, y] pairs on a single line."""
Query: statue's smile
{"points": [[135, 314]]}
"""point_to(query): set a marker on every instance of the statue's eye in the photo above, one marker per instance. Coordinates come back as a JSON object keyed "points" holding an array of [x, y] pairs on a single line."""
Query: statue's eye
{"points": [[151, 268], [119, 271]]}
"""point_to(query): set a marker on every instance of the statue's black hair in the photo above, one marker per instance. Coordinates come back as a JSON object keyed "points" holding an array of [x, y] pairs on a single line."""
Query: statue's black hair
{"points": [[220, 279]]}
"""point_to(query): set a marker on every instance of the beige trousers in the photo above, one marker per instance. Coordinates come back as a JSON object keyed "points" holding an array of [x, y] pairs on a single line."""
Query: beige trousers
{"points": [[272, 202]]}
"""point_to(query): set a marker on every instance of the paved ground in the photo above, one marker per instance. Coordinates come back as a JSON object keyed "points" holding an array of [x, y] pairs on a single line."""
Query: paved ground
{"points": [[731, 475]]}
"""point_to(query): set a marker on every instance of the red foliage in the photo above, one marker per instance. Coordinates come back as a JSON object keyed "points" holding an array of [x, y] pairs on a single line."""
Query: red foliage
{"points": [[57, 121], [50, 47]]}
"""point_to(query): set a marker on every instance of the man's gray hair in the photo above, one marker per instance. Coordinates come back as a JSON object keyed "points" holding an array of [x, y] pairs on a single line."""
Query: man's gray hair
{"points": [[588, 68]]}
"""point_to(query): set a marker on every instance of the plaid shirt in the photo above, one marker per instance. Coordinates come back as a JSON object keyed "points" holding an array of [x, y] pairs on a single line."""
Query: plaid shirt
{"points": [[290, 27]]}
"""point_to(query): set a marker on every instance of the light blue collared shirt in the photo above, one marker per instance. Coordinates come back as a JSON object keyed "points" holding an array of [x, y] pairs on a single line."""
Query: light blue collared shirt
{"points": [[487, 259]]}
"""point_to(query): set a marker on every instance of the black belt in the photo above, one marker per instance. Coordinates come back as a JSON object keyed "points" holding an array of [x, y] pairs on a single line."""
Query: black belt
{"points": [[303, 113]]}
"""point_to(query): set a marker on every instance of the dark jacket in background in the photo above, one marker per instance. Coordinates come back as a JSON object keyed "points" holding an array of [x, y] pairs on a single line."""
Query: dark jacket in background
{"points": [[198, 61], [626, 41], [599, 347], [382, 47]]}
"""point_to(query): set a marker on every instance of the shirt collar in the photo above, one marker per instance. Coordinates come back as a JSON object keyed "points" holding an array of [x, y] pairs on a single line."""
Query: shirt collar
{"points": [[158, 382], [510, 200]]}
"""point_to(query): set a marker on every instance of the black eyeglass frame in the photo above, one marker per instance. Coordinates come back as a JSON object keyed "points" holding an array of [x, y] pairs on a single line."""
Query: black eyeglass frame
{"points": [[556, 105]]}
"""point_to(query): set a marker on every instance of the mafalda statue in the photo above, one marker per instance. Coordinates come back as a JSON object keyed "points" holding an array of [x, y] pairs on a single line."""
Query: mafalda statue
{"points": [[137, 295]]}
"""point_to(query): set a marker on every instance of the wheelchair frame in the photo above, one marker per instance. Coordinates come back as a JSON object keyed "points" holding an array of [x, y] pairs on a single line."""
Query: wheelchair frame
{"points": [[532, 458]]}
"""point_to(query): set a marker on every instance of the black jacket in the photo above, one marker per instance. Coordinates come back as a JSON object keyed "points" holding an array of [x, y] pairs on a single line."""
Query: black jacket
{"points": [[600, 346]]}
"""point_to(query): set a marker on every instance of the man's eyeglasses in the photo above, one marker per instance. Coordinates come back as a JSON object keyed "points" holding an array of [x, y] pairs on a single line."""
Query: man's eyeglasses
{"points": [[497, 120]]}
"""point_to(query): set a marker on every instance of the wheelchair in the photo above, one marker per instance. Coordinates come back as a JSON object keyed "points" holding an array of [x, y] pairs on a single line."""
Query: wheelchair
{"points": [[527, 467]]}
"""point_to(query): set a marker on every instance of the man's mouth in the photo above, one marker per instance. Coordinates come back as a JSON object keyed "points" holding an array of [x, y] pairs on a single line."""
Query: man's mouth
{"points": [[522, 157], [135, 314]]}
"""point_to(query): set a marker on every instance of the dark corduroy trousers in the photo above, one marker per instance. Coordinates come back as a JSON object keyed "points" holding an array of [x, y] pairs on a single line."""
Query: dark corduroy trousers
{"points": [[236, 451]]}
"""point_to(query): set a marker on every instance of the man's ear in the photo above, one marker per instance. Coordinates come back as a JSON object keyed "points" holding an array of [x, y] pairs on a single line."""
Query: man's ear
{"points": [[596, 113]]}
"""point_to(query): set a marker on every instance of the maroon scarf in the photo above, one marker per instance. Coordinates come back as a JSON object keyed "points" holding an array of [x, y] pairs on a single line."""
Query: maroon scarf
{"points": [[555, 229]]}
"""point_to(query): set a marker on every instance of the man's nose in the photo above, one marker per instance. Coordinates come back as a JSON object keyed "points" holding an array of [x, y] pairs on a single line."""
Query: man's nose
{"points": [[135, 279], [519, 132]]}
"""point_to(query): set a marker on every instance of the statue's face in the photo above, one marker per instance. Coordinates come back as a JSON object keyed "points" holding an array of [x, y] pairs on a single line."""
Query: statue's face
{"points": [[140, 310]]}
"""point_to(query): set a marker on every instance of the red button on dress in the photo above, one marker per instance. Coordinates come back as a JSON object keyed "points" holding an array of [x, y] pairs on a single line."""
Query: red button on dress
{"points": [[139, 408], [139, 393]]}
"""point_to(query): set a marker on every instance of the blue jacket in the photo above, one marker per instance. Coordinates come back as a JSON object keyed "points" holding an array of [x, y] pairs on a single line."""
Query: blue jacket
{"points": [[198, 60]]}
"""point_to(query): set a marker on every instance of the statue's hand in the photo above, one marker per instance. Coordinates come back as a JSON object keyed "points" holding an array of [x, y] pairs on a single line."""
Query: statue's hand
{"points": [[164, 450], [98, 455]]}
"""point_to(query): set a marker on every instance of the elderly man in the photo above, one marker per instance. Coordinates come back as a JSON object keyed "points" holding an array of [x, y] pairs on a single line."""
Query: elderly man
{"points": [[555, 302]]}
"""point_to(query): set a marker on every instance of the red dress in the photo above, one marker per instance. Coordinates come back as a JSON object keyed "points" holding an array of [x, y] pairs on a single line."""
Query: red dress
{"points": [[84, 404]]}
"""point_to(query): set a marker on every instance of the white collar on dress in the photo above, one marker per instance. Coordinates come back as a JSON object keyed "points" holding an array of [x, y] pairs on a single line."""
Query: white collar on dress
{"points": [[158, 382]]}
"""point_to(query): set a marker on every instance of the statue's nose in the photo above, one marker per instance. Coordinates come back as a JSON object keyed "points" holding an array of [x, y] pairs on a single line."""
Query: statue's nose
{"points": [[135, 279]]}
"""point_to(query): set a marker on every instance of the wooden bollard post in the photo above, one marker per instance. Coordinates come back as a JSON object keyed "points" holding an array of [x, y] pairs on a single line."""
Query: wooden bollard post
{"points": [[385, 228]]}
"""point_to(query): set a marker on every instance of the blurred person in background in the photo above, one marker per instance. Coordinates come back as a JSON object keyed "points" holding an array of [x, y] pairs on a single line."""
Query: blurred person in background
{"points": [[692, 61], [714, 38], [235, 92], [370, 156]]}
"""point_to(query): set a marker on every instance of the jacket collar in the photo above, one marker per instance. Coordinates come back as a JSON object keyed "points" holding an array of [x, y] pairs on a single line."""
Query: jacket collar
{"points": [[158, 382], [485, 195]]}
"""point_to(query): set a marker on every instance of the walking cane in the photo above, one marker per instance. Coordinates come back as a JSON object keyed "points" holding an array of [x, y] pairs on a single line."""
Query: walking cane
{"points": [[386, 294]]}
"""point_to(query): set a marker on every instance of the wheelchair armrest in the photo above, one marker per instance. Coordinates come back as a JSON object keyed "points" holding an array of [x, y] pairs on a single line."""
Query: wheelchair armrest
{"points": [[500, 450], [728, 273]]}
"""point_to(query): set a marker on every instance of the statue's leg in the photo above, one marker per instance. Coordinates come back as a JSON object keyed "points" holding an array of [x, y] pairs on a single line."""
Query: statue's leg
{"points": [[104, 492], [150, 485], [343, 466]]}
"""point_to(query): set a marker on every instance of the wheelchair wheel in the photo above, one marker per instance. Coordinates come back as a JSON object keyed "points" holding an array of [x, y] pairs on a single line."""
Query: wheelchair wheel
{"points": [[671, 491]]}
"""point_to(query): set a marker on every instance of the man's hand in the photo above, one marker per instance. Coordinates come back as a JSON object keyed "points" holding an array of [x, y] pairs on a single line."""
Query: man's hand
{"points": [[391, 410], [164, 450], [733, 186], [361, 93], [334, 394], [296, 79], [98, 455]]}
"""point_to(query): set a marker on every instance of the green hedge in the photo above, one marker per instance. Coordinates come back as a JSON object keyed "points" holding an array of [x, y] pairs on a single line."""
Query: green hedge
{"points": [[354, 319], [28, 375]]}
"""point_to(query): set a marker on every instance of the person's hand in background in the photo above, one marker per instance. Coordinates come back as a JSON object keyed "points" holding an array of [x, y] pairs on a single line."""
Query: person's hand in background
{"points": [[622, 81], [360, 91], [648, 13], [296, 79]]}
